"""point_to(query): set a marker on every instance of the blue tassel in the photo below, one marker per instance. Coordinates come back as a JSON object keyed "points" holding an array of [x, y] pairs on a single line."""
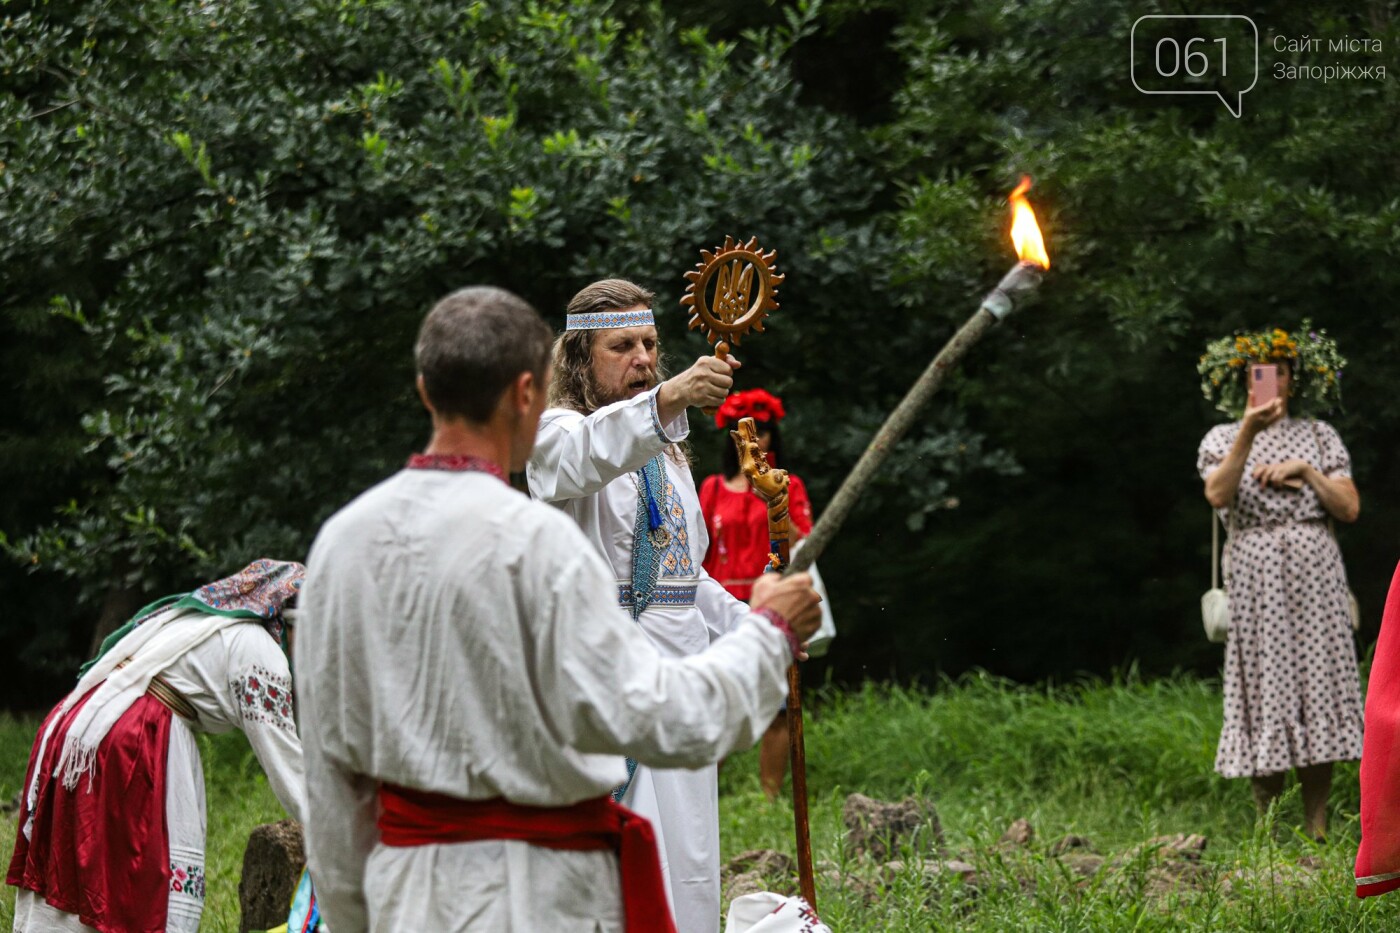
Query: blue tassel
{"points": [[620, 790], [653, 510]]}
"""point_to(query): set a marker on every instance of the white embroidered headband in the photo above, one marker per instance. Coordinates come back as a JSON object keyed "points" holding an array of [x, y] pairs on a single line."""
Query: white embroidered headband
{"points": [[606, 320]]}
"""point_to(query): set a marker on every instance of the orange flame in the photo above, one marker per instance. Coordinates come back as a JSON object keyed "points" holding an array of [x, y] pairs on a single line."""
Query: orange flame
{"points": [[1025, 232]]}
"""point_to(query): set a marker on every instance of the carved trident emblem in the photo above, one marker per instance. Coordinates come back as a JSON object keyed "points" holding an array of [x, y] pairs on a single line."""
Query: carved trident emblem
{"points": [[731, 291]]}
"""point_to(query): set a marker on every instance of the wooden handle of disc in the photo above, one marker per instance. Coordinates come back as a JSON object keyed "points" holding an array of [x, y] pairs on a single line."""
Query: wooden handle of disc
{"points": [[721, 353]]}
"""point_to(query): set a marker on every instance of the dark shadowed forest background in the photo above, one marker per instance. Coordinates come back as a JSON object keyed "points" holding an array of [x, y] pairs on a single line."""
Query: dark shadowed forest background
{"points": [[221, 223]]}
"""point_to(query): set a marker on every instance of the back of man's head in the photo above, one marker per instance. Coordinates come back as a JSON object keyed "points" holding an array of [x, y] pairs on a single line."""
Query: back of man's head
{"points": [[473, 345]]}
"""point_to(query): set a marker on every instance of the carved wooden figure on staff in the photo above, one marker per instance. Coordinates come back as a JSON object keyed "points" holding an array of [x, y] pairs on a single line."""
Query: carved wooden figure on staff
{"points": [[772, 486]]}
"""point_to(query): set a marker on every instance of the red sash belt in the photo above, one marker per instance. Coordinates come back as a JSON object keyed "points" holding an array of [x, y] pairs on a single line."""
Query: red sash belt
{"points": [[414, 818]]}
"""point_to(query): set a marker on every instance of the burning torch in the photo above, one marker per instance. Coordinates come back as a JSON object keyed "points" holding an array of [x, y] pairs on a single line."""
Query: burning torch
{"points": [[1014, 291]]}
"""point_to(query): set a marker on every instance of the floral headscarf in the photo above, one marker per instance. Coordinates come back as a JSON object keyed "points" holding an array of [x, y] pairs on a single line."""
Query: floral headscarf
{"points": [[260, 591]]}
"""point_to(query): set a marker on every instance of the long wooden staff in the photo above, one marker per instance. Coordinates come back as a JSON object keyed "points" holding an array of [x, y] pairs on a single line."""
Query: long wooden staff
{"points": [[772, 486], [731, 291]]}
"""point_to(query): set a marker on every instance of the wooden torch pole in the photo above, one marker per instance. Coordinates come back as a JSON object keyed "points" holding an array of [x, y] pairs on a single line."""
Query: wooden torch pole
{"points": [[1018, 285]]}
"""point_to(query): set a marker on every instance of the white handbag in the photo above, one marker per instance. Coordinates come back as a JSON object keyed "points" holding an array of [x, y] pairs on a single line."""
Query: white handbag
{"points": [[1215, 604]]}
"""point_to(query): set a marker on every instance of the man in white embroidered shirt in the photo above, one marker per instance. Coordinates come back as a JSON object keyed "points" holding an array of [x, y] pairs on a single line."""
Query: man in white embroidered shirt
{"points": [[468, 686], [609, 454]]}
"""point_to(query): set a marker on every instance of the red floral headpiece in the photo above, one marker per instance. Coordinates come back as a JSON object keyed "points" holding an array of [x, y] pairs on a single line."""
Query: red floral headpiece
{"points": [[758, 404]]}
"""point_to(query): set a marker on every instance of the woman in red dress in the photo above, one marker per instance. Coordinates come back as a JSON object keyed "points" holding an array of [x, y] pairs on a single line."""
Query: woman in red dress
{"points": [[737, 521]]}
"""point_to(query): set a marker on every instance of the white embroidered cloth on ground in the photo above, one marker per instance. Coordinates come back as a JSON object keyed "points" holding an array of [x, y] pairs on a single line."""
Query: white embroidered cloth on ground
{"points": [[766, 912]]}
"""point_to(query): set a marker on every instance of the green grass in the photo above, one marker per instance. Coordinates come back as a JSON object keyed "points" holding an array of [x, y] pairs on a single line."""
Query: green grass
{"points": [[1118, 763]]}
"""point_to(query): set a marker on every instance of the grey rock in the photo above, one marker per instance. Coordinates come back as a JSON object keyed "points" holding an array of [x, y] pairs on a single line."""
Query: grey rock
{"points": [[878, 829], [1267, 878], [1066, 843], [1162, 865], [759, 870], [833, 879], [768, 862], [1020, 833], [1082, 863], [952, 866], [1178, 847], [745, 882]]}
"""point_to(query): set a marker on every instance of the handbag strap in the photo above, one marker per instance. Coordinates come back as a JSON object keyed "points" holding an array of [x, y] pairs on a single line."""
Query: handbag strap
{"points": [[1215, 543], [1215, 539], [1214, 550]]}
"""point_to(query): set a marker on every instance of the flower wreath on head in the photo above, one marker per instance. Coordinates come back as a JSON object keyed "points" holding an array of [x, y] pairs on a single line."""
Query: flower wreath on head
{"points": [[1316, 380], [758, 404]]}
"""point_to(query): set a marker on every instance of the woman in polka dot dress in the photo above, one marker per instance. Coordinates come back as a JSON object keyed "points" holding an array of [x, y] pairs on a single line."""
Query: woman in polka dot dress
{"points": [[1292, 693]]}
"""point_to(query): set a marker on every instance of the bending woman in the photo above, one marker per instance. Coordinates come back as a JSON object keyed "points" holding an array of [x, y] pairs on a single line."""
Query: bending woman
{"points": [[112, 824]]}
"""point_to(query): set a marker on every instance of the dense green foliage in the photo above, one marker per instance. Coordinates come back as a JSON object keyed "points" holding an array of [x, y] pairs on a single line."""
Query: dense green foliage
{"points": [[1171, 222], [238, 221], [223, 221], [1117, 763]]}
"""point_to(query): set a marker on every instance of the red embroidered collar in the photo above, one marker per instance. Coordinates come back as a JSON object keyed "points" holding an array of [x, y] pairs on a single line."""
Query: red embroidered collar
{"points": [[455, 463]]}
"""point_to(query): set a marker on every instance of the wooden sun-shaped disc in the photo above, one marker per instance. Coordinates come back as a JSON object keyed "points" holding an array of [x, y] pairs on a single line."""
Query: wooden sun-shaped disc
{"points": [[732, 289]]}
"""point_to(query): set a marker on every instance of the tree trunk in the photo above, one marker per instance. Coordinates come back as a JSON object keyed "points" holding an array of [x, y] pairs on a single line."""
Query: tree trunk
{"points": [[122, 600]]}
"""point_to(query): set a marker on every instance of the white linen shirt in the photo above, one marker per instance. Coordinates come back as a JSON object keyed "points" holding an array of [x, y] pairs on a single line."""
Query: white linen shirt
{"points": [[457, 637], [239, 679], [586, 466]]}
